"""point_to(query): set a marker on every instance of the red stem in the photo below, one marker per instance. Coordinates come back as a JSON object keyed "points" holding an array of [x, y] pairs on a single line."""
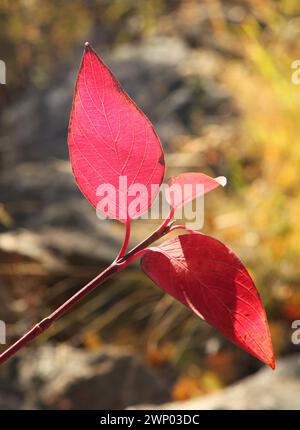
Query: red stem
{"points": [[43, 325], [126, 240], [118, 265]]}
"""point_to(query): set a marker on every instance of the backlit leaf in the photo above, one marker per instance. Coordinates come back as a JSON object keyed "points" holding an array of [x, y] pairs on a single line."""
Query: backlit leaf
{"points": [[116, 156], [188, 186], [207, 277]]}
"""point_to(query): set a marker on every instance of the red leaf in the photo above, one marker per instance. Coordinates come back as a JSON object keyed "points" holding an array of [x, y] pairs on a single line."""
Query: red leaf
{"points": [[208, 278], [110, 137], [188, 186]]}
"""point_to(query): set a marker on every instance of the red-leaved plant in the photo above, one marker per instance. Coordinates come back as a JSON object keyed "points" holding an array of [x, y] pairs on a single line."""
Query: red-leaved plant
{"points": [[109, 138]]}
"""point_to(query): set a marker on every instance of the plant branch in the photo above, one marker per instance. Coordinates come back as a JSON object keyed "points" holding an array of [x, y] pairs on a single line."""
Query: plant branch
{"points": [[116, 266], [43, 325]]}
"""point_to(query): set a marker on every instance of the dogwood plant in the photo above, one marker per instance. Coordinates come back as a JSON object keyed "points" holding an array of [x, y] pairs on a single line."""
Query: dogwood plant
{"points": [[110, 138]]}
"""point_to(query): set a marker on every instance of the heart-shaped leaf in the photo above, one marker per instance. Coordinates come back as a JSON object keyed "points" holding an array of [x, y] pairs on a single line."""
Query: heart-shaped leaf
{"points": [[207, 277], [116, 156], [188, 186]]}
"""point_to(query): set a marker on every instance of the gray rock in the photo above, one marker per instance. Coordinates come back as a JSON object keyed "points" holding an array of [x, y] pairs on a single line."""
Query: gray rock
{"points": [[11, 395], [267, 389], [67, 378]]}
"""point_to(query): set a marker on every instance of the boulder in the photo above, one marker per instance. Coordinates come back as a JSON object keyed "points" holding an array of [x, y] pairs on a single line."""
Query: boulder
{"points": [[267, 389], [64, 377]]}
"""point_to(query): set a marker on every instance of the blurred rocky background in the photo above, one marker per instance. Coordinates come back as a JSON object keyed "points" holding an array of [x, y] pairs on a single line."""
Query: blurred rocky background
{"points": [[215, 79]]}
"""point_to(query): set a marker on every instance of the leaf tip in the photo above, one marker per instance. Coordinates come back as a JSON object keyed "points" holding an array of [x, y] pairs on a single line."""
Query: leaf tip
{"points": [[269, 359], [221, 180], [272, 363]]}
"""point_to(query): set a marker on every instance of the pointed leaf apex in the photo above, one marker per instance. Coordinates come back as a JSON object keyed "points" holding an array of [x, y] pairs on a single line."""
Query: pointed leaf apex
{"points": [[272, 362], [87, 47]]}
